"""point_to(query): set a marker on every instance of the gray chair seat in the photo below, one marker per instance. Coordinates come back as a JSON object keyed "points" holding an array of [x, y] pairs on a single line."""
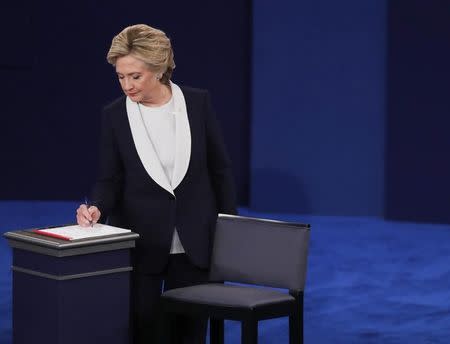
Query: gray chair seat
{"points": [[223, 295]]}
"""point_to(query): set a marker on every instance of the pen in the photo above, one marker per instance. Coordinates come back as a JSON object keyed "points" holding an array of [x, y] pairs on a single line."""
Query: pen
{"points": [[91, 223]]}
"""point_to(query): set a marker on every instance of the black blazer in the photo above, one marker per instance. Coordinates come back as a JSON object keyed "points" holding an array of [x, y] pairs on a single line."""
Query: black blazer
{"points": [[129, 197]]}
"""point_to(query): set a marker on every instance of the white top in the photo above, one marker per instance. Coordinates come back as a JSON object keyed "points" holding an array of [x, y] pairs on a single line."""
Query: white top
{"points": [[160, 125]]}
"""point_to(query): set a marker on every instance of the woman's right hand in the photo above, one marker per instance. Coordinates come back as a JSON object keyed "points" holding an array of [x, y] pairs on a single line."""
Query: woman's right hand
{"points": [[87, 216]]}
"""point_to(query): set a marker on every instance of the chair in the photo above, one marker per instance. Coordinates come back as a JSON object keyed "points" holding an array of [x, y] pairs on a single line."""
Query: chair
{"points": [[262, 253]]}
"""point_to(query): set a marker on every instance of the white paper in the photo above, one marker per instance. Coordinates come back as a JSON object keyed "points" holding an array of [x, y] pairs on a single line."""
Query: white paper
{"points": [[77, 232]]}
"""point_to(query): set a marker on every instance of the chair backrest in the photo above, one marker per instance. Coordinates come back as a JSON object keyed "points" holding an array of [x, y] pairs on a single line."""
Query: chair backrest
{"points": [[259, 251]]}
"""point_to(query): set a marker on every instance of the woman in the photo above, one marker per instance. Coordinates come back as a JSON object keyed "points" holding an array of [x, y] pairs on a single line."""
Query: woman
{"points": [[163, 172]]}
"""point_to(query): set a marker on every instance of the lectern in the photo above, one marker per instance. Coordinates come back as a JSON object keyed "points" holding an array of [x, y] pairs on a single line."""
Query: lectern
{"points": [[71, 292]]}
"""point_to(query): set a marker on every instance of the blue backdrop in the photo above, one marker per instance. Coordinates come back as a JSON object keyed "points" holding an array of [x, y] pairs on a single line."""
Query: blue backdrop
{"points": [[418, 121], [56, 80], [328, 108], [319, 106]]}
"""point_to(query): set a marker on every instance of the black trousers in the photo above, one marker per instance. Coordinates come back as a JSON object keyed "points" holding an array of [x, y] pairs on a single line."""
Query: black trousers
{"points": [[147, 324]]}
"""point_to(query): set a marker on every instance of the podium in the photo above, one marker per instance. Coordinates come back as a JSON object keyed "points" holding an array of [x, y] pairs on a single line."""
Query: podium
{"points": [[71, 292]]}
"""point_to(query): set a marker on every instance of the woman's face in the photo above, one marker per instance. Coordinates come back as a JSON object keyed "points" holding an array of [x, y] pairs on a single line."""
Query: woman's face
{"points": [[137, 81]]}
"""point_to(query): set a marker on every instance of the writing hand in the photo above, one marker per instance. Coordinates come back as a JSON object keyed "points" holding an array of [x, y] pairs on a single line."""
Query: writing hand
{"points": [[87, 216]]}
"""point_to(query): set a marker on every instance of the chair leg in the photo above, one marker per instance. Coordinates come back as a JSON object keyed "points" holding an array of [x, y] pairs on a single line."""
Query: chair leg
{"points": [[167, 326], [295, 330], [296, 322], [216, 331], [249, 331]]}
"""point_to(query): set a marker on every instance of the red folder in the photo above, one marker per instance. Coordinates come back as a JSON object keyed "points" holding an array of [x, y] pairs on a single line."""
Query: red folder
{"points": [[53, 235]]}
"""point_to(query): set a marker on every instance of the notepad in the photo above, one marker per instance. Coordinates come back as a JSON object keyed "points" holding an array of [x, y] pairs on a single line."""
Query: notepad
{"points": [[75, 232]]}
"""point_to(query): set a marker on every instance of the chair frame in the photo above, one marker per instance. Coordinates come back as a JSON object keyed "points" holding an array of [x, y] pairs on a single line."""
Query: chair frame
{"points": [[248, 317]]}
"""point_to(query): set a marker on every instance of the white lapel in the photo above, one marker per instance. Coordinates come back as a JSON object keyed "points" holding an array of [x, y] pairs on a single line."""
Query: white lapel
{"points": [[145, 148], [182, 136]]}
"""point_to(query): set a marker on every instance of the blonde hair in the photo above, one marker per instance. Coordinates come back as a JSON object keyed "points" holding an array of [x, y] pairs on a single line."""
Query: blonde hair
{"points": [[149, 45]]}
